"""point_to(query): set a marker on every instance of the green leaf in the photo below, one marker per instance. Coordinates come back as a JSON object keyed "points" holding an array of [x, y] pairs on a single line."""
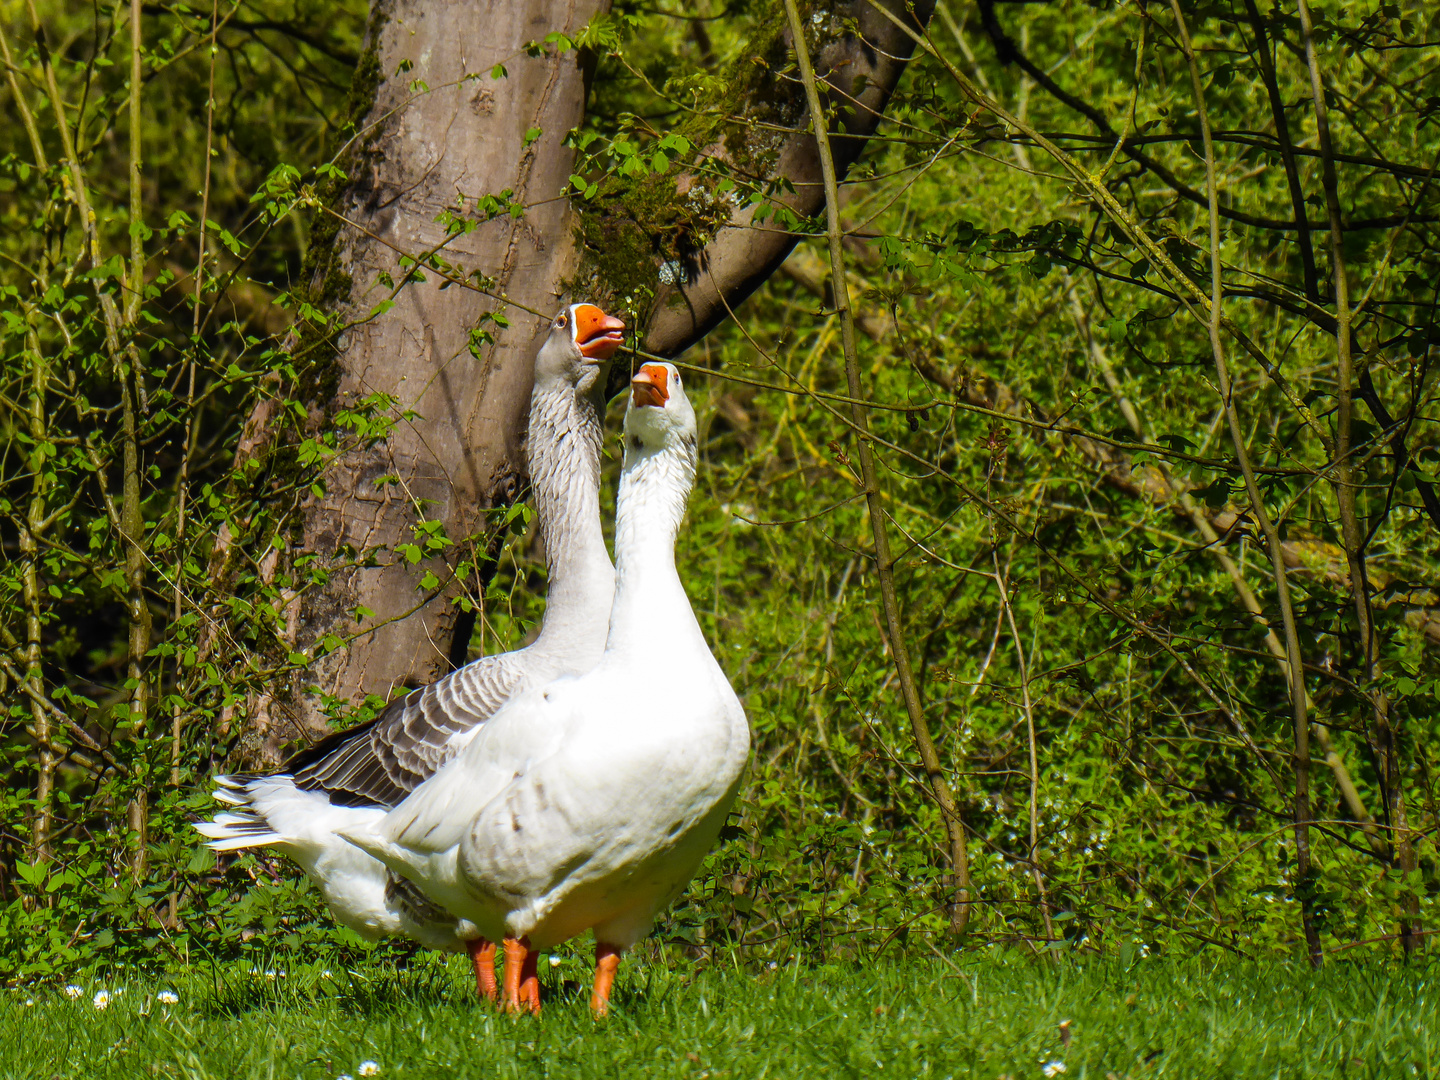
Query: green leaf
{"points": [[1214, 494]]}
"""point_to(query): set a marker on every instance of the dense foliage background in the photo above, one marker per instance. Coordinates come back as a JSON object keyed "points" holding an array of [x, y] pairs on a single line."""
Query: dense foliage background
{"points": [[1101, 514]]}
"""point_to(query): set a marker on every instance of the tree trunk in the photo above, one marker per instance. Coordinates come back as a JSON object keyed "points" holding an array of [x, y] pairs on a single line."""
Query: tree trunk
{"points": [[418, 154], [461, 453]]}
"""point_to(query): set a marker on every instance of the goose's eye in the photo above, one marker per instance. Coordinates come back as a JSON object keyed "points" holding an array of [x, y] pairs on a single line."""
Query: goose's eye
{"points": [[562, 322]]}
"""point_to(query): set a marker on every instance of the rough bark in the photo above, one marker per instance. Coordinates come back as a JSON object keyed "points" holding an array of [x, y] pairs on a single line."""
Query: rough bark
{"points": [[417, 154]]}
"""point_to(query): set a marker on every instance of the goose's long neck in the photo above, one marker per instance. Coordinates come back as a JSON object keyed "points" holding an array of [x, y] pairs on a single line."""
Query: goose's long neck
{"points": [[651, 608], [563, 450]]}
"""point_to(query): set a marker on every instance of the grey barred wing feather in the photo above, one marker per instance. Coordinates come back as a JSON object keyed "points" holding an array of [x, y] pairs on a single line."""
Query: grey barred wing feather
{"points": [[380, 762]]}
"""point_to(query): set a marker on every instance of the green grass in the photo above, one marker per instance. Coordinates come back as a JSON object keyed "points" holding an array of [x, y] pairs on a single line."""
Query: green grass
{"points": [[986, 1018]]}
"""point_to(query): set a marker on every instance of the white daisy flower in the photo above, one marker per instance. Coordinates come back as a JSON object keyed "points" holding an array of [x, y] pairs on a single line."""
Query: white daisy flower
{"points": [[554, 961], [72, 991], [369, 1068], [168, 997], [344, 1076], [101, 999], [1053, 1068]]}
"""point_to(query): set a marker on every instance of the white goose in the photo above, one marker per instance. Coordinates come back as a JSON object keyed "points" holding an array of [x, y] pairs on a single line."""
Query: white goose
{"points": [[590, 802], [354, 777]]}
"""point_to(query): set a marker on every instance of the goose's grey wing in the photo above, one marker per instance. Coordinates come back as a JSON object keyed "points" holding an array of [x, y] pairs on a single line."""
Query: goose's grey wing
{"points": [[380, 762]]}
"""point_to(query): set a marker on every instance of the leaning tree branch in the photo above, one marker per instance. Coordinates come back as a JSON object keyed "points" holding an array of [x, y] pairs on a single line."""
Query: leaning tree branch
{"points": [[861, 67]]}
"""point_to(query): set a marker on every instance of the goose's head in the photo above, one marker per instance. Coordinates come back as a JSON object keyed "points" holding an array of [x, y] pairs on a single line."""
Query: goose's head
{"points": [[582, 338], [659, 414]]}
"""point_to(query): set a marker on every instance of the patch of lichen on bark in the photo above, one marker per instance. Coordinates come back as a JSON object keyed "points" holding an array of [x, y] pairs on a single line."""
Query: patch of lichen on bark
{"points": [[634, 227]]}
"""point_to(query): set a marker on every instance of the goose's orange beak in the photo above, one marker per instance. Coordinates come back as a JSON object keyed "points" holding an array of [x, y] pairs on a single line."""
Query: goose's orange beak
{"points": [[597, 334], [649, 386]]}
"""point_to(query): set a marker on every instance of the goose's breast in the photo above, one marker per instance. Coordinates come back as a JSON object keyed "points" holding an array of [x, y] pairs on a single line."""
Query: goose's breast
{"points": [[615, 797]]}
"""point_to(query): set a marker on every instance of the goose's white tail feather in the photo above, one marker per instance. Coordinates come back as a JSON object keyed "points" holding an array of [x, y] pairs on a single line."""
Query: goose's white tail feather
{"points": [[306, 826], [233, 832]]}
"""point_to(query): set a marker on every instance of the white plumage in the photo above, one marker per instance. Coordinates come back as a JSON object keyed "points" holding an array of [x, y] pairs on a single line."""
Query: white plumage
{"points": [[589, 803]]}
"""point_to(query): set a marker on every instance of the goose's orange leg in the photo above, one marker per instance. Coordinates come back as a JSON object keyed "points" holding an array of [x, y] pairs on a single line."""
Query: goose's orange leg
{"points": [[607, 962], [515, 950], [482, 956], [522, 984], [530, 982]]}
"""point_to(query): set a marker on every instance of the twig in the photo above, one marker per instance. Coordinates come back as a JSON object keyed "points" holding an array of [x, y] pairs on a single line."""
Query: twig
{"points": [[30, 536], [884, 567], [132, 398], [1351, 533], [177, 721], [84, 737], [1257, 505], [1004, 589]]}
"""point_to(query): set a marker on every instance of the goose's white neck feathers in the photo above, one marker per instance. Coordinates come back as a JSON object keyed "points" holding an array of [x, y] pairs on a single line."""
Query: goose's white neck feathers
{"points": [[650, 601]]}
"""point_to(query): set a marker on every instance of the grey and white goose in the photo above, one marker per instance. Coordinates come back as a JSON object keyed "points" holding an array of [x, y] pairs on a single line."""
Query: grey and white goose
{"points": [[353, 777]]}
